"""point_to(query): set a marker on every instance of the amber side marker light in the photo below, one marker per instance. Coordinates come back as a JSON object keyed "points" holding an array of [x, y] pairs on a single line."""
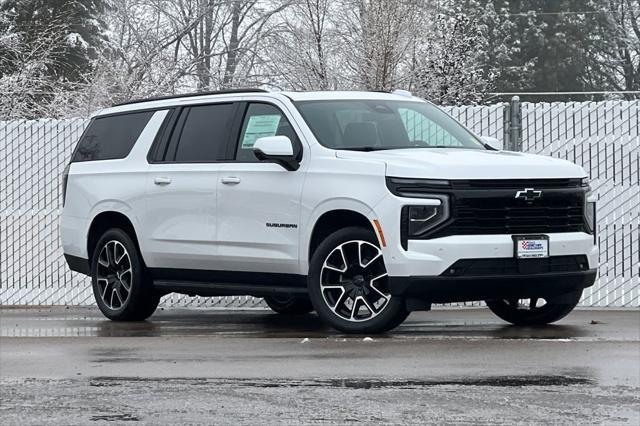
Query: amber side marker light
{"points": [[380, 233]]}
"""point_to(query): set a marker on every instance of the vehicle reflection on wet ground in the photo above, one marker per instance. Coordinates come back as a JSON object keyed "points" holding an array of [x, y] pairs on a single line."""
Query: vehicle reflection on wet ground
{"points": [[71, 365]]}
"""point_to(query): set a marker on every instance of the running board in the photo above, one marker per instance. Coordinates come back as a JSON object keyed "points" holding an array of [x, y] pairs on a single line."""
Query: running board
{"points": [[198, 288]]}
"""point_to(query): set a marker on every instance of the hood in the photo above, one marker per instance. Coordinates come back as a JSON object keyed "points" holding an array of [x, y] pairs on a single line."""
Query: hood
{"points": [[442, 163]]}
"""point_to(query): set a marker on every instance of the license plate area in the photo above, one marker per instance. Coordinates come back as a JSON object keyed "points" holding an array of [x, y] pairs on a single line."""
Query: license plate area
{"points": [[530, 246]]}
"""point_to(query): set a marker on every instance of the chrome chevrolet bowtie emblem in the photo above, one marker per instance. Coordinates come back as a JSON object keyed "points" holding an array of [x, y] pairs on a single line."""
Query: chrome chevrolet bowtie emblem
{"points": [[528, 194]]}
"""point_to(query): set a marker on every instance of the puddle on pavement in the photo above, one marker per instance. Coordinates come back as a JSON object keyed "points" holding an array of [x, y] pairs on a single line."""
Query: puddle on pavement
{"points": [[274, 326], [490, 381], [113, 355], [115, 418]]}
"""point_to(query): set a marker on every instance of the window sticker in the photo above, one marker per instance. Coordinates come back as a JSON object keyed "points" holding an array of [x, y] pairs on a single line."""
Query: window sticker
{"points": [[260, 126]]}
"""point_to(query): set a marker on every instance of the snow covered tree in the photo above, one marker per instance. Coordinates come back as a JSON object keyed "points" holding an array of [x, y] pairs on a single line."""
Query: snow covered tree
{"points": [[616, 66], [450, 68], [545, 46], [221, 40], [305, 46], [378, 37], [501, 48], [79, 31], [46, 53]]}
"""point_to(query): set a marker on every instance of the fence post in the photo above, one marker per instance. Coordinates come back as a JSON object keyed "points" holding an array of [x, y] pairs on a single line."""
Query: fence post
{"points": [[506, 126], [514, 125]]}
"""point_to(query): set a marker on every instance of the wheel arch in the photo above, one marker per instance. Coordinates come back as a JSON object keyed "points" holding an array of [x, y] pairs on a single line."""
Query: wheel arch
{"points": [[332, 220], [106, 220]]}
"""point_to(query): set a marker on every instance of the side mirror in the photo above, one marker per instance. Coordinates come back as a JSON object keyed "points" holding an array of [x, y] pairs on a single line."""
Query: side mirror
{"points": [[276, 149], [492, 142]]}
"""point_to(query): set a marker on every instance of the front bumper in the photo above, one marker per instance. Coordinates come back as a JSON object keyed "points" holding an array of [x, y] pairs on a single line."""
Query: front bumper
{"points": [[433, 257], [445, 289]]}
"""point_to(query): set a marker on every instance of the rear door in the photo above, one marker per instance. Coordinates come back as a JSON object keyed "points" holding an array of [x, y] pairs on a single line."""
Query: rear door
{"points": [[259, 202], [180, 223]]}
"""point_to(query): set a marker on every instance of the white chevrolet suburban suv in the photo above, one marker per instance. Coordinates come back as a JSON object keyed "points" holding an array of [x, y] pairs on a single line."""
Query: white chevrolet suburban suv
{"points": [[361, 206]]}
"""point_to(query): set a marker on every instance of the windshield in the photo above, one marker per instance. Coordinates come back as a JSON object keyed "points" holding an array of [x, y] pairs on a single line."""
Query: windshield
{"points": [[370, 125]]}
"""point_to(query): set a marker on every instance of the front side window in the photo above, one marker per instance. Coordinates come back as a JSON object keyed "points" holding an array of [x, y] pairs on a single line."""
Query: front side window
{"points": [[204, 133], [111, 137], [263, 120], [370, 125]]}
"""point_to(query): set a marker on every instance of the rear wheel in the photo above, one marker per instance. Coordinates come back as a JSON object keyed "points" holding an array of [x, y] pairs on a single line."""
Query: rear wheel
{"points": [[121, 286], [535, 310], [288, 304], [348, 284]]}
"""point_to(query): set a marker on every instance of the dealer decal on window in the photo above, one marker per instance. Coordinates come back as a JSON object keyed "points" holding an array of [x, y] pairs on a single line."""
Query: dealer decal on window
{"points": [[260, 126]]}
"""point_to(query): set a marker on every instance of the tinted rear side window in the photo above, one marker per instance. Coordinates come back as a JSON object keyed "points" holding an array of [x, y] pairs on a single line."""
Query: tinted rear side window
{"points": [[110, 138], [205, 133]]}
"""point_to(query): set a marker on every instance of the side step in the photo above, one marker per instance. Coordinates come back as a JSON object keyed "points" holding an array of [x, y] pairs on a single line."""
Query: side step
{"points": [[198, 288]]}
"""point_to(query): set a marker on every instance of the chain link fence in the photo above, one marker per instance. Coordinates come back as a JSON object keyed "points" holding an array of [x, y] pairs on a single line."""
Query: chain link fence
{"points": [[602, 137]]}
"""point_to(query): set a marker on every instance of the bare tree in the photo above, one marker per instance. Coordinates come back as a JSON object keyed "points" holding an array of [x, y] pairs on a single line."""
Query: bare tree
{"points": [[219, 38], [170, 46], [305, 47], [381, 35], [617, 63]]}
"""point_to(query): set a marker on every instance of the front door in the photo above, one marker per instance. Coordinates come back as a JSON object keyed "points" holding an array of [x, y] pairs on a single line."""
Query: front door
{"points": [[259, 202]]}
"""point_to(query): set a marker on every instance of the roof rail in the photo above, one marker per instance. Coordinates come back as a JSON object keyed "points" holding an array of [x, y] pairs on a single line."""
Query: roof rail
{"points": [[402, 92], [189, 95]]}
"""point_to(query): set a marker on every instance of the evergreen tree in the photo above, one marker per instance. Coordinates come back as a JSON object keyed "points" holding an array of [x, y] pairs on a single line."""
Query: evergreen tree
{"points": [[617, 65], [75, 25], [547, 45], [450, 66]]}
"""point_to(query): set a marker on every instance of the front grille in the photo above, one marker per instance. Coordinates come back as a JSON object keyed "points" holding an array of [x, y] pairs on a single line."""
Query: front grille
{"points": [[492, 212], [513, 266], [480, 207]]}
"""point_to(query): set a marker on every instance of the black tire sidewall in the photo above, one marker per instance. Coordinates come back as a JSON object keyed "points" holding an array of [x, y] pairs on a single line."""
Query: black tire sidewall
{"points": [[393, 314], [142, 301], [551, 312], [293, 305]]}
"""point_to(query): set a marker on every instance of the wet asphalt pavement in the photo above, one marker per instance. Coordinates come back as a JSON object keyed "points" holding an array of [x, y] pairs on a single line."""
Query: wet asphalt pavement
{"points": [[204, 366]]}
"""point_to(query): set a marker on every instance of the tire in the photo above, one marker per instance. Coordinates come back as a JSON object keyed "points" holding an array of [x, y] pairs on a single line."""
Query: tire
{"points": [[287, 304], [533, 312], [115, 266], [336, 276]]}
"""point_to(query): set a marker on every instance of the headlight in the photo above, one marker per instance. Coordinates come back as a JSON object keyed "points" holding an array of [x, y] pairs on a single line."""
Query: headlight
{"points": [[64, 181], [416, 188], [421, 219], [590, 213], [590, 216], [589, 208]]}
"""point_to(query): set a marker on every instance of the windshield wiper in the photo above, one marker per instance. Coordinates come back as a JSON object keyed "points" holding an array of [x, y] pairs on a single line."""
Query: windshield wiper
{"points": [[489, 147], [365, 148], [386, 148]]}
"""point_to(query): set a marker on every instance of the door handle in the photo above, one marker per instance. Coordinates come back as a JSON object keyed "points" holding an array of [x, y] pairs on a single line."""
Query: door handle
{"points": [[230, 180], [162, 180]]}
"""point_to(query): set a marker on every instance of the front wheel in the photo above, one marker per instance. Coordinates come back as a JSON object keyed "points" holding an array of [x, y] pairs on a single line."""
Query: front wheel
{"points": [[535, 310], [348, 284]]}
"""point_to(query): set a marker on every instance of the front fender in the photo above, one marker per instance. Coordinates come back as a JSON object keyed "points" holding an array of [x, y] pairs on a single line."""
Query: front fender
{"points": [[338, 203]]}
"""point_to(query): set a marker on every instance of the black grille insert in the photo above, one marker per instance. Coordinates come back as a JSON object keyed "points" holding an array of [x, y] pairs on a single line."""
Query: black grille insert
{"points": [[492, 212], [516, 183], [491, 206], [513, 266]]}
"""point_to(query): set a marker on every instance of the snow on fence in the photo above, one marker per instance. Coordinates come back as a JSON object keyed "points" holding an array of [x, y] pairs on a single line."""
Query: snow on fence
{"points": [[602, 137]]}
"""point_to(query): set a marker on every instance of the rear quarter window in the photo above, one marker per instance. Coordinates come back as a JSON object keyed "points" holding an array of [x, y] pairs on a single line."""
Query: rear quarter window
{"points": [[111, 137]]}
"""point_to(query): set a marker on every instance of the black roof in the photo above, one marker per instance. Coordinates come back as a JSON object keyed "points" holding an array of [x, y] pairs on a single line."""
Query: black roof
{"points": [[188, 95]]}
